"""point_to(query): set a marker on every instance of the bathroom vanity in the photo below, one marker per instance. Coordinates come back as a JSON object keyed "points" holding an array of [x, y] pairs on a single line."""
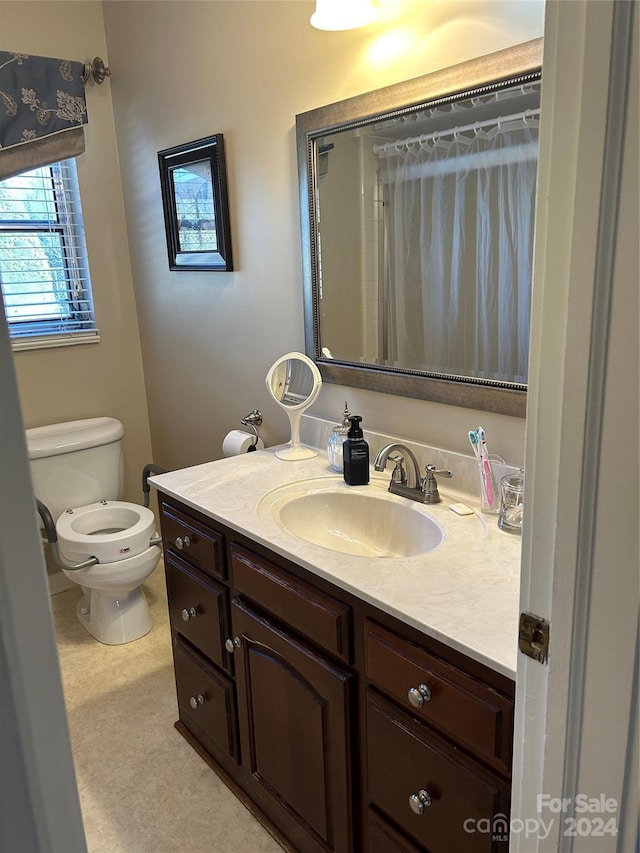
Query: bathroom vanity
{"points": [[354, 703]]}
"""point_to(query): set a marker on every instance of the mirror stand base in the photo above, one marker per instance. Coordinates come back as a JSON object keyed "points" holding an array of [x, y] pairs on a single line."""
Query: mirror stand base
{"points": [[296, 452]]}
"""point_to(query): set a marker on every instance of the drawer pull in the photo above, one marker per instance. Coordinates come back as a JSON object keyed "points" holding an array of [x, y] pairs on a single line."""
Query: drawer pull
{"points": [[182, 542], [231, 645], [196, 701], [419, 695], [419, 801], [189, 613]]}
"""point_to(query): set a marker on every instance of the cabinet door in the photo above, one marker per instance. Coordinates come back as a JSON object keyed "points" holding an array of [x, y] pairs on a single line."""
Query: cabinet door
{"points": [[294, 715]]}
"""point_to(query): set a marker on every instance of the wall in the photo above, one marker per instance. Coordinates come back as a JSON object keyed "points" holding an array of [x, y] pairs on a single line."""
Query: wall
{"points": [[106, 378], [185, 70]]}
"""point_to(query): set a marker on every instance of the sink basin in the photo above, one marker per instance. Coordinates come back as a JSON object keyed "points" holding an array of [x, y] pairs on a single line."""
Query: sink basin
{"points": [[364, 521]]}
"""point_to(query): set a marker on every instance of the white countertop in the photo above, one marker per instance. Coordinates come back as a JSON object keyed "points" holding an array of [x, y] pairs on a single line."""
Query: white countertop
{"points": [[465, 593]]}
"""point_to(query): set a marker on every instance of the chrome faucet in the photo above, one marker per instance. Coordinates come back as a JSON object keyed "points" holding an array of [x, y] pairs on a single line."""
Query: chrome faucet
{"points": [[424, 489]]}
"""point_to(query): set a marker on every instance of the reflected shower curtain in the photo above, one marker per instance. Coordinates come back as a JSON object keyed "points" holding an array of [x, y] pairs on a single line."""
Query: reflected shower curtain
{"points": [[459, 217]]}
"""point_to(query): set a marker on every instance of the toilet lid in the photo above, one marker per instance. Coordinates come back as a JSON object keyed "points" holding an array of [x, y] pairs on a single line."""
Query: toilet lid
{"points": [[109, 531]]}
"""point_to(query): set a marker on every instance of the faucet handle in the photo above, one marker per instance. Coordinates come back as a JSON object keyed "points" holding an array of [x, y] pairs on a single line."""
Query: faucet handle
{"points": [[430, 484], [432, 470], [399, 475]]}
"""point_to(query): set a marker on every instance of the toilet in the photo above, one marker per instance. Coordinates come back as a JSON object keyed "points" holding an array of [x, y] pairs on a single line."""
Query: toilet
{"points": [[77, 470]]}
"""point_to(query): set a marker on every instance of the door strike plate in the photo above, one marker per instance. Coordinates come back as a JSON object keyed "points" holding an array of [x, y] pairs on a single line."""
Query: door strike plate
{"points": [[533, 637]]}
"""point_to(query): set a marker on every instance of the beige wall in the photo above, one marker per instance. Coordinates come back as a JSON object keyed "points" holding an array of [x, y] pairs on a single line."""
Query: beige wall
{"points": [[106, 378], [184, 70]]}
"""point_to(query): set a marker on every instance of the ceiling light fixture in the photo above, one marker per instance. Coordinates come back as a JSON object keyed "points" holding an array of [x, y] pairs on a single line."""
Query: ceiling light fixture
{"points": [[343, 14]]}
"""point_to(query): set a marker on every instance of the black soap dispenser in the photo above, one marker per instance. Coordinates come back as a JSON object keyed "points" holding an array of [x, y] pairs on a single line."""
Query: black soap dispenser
{"points": [[355, 453]]}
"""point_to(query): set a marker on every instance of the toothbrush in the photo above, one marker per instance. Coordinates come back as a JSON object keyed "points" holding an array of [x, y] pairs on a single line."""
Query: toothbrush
{"points": [[475, 444], [486, 465], [473, 439]]}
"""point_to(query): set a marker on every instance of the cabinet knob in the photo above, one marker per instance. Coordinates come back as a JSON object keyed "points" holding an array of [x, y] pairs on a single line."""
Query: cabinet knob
{"points": [[189, 613], [419, 695], [182, 542], [419, 801], [196, 701], [231, 645]]}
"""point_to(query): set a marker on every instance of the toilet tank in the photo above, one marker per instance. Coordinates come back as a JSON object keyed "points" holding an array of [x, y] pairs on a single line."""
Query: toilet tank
{"points": [[76, 463]]}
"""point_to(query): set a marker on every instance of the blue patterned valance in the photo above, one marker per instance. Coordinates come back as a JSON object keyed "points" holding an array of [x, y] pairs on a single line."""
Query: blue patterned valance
{"points": [[38, 97], [42, 111]]}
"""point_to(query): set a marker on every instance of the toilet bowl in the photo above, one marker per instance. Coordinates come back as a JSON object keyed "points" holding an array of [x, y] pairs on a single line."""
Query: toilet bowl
{"points": [[112, 607]]}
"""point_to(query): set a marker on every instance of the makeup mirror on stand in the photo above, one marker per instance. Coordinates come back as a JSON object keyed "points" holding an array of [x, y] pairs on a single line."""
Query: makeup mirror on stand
{"points": [[294, 382]]}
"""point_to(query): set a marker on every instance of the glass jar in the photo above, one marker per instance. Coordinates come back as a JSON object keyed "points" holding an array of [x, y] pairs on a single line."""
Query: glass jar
{"points": [[336, 440], [512, 503]]}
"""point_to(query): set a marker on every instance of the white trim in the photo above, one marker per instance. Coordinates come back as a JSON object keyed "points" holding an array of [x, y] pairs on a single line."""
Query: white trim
{"points": [[557, 706], [51, 341]]}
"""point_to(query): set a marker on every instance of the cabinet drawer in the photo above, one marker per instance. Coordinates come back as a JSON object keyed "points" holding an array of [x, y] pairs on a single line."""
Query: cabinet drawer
{"points": [[193, 540], [466, 800], [383, 838], [206, 701], [313, 614], [198, 609], [459, 705]]}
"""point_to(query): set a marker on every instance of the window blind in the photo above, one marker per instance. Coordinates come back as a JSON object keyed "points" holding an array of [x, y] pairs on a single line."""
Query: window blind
{"points": [[44, 269]]}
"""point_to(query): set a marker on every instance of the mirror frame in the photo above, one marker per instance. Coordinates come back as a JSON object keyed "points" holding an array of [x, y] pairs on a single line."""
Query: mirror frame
{"points": [[493, 71], [210, 149]]}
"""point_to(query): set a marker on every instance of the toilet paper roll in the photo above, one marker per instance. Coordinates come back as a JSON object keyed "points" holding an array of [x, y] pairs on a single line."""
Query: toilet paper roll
{"points": [[237, 442]]}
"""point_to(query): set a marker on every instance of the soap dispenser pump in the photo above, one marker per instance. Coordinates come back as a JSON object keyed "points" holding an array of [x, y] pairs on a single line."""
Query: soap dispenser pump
{"points": [[336, 440], [356, 454]]}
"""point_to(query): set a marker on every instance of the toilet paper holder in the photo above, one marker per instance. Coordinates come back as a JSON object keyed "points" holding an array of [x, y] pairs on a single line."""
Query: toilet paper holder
{"points": [[253, 420]]}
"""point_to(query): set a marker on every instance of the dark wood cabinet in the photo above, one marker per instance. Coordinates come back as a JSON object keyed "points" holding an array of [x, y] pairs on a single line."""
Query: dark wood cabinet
{"points": [[341, 728], [295, 732]]}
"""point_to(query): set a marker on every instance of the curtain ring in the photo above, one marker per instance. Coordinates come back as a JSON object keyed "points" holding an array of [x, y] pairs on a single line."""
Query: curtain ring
{"points": [[476, 128]]}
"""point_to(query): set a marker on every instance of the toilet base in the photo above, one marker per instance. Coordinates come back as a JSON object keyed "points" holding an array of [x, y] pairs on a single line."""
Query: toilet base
{"points": [[114, 618]]}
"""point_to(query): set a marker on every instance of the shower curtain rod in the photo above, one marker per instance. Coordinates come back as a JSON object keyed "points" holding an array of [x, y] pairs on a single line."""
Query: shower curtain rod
{"points": [[392, 147]]}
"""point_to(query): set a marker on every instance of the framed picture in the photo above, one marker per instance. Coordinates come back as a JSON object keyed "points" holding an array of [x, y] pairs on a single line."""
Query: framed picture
{"points": [[193, 178]]}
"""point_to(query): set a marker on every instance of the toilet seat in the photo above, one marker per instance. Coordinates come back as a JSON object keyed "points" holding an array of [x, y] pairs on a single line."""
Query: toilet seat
{"points": [[110, 531]]}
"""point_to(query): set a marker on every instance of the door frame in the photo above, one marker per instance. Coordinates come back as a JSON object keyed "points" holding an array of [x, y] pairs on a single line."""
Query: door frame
{"points": [[579, 266]]}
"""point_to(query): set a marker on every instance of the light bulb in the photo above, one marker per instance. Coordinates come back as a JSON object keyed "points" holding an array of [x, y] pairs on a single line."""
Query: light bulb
{"points": [[343, 14]]}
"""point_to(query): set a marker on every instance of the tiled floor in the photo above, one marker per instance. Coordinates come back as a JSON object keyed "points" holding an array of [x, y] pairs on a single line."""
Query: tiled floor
{"points": [[142, 788]]}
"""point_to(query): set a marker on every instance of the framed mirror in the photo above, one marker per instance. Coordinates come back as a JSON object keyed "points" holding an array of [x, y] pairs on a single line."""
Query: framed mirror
{"points": [[193, 180], [417, 211]]}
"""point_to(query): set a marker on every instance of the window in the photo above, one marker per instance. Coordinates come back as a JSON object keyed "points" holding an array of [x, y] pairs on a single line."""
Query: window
{"points": [[44, 271]]}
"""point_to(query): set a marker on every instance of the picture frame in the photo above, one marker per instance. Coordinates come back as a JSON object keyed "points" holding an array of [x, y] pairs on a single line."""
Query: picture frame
{"points": [[193, 180]]}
